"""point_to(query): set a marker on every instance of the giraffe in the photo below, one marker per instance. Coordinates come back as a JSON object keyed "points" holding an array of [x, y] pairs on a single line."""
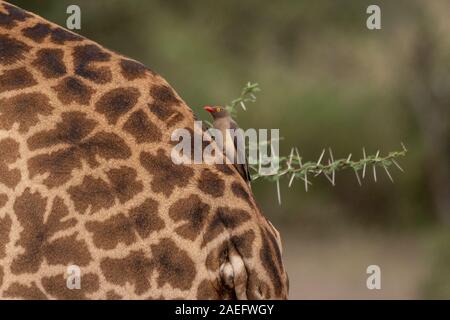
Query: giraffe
{"points": [[86, 180]]}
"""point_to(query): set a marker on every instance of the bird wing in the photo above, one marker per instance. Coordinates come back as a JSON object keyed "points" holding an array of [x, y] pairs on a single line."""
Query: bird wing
{"points": [[242, 168]]}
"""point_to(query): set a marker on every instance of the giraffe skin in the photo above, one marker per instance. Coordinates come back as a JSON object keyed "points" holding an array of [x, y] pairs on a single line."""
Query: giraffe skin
{"points": [[86, 179]]}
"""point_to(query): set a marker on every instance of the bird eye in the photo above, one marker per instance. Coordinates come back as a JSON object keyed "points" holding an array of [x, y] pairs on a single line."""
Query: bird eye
{"points": [[219, 109]]}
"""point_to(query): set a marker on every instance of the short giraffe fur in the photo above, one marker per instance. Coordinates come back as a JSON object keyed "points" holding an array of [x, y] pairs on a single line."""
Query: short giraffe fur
{"points": [[86, 179]]}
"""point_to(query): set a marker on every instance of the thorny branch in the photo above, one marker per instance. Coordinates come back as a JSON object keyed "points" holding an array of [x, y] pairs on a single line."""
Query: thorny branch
{"points": [[294, 167]]}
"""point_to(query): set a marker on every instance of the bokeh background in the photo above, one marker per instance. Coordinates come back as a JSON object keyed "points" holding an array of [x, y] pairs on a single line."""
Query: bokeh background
{"points": [[327, 81]]}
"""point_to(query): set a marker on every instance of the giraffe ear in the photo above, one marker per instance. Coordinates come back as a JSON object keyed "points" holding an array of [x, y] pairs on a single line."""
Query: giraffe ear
{"points": [[234, 274]]}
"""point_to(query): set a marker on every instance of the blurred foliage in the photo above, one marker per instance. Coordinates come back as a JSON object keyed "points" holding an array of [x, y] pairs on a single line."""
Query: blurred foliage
{"points": [[328, 82], [436, 285]]}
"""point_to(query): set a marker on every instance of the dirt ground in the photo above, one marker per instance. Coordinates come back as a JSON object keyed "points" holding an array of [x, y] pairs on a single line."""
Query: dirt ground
{"points": [[335, 267]]}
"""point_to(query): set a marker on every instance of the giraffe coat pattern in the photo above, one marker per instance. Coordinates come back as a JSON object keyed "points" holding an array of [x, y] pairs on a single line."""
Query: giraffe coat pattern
{"points": [[86, 179]]}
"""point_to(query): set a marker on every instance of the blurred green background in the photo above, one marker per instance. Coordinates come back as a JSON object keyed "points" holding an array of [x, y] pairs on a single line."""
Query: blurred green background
{"points": [[327, 81]]}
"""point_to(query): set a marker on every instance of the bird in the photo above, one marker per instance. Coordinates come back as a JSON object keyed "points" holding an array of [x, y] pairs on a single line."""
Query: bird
{"points": [[222, 122]]}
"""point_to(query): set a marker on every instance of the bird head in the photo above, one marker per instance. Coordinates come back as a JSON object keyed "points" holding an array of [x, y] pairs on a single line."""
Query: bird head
{"points": [[216, 111]]}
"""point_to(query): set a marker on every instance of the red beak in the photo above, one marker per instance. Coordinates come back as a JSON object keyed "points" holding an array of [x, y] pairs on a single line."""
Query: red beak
{"points": [[209, 109]]}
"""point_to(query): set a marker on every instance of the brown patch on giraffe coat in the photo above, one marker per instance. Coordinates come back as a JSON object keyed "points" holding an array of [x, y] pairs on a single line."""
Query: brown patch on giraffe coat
{"points": [[142, 220], [70, 89], [109, 233], [50, 62], [15, 14], [177, 117], [10, 150], [93, 193], [98, 194], [193, 212], [38, 32], [5, 228], [164, 94], [1, 276], [165, 174], [207, 291], [124, 183], [240, 192], [73, 128], [24, 109], [60, 36], [3, 199], [112, 295], [21, 291], [63, 251], [11, 50], [217, 256], [57, 287], [141, 128], [9, 153], [106, 145], [59, 165], [145, 218], [85, 56], [58, 213], [173, 265], [224, 168], [72, 132], [164, 104], [162, 112], [16, 79], [268, 251], [244, 243], [211, 183], [132, 70], [135, 269], [255, 283], [37, 236], [224, 218], [116, 102]]}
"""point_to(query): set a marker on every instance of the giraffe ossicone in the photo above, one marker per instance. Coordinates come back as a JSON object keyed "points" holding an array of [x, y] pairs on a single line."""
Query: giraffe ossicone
{"points": [[86, 180]]}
